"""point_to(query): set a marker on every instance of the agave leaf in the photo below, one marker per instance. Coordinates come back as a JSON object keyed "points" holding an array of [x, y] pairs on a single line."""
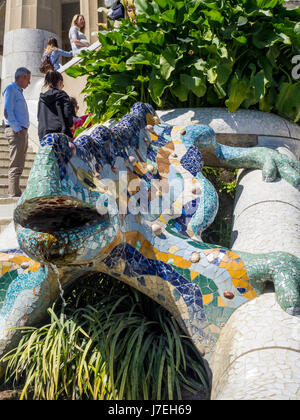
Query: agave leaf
{"points": [[82, 363], [160, 371], [171, 380]]}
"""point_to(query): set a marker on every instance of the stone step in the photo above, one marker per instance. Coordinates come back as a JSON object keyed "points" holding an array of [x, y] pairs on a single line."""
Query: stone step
{"points": [[7, 207], [4, 147], [4, 170], [4, 200], [5, 155], [4, 188], [4, 222], [4, 163], [7, 211], [4, 177]]}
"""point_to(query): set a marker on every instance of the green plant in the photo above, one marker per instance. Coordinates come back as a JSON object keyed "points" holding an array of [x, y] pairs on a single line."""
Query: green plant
{"points": [[54, 362], [225, 182], [233, 53], [124, 346]]}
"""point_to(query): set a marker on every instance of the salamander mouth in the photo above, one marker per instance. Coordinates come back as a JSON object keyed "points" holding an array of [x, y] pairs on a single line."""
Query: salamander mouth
{"points": [[57, 214]]}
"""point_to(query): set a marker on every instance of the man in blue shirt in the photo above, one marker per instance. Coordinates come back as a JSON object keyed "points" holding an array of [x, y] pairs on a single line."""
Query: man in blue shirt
{"points": [[16, 120]]}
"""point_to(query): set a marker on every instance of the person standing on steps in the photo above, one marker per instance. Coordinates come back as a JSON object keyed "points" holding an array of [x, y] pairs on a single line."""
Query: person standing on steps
{"points": [[77, 38], [55, 111], [16, 121]]}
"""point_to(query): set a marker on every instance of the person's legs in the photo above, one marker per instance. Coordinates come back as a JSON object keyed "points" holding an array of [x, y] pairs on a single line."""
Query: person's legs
{"points": [[18, 144]]}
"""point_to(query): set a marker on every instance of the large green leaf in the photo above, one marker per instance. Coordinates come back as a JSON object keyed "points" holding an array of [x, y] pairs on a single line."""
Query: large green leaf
{"points": [[214, 15], [162, 3], [75, 71], [257, 89], [143, 38], [212, 75], [224, 70], [238, 92], [167, 61], [177, 3], [266, 4], [157, 86], [180, 92], [266, 37], [169, 16], [267, 68], [116, 99], [139, 59], [288, 103], [143, 7], [194, 84], [121, 79], [200, 65], [242, 20], [266, 104]]}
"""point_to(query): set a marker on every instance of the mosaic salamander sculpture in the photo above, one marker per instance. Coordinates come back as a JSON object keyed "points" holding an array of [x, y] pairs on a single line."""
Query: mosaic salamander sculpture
{"points": [[131, 201]]}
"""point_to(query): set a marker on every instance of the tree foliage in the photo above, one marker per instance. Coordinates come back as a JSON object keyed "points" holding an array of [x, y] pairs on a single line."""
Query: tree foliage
{"points": [[185, 53]]}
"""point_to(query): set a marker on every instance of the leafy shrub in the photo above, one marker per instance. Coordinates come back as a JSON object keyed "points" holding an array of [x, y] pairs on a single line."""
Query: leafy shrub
{"points": [[184, 53], [113, 343]]}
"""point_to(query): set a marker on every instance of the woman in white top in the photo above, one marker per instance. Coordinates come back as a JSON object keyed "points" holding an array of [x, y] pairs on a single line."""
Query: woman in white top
{"points": [[76, 34]]}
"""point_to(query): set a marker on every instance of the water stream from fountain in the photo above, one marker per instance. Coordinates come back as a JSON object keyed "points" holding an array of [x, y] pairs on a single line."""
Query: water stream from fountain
{"points": [[55, 269]]}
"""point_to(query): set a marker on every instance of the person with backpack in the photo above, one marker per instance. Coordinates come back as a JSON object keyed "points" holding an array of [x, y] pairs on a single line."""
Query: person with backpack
{"points": [[55, 110], [51, 56]]}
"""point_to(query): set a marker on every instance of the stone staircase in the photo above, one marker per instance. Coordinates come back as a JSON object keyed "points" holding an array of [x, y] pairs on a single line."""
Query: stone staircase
{"points": [[7, 205]]}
